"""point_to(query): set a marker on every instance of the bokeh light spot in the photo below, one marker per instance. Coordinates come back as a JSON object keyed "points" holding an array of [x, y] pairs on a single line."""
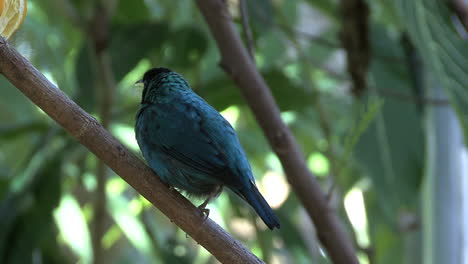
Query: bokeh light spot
{"points": [[231, 114], [356, 211], [318, 164], [274, 188]]}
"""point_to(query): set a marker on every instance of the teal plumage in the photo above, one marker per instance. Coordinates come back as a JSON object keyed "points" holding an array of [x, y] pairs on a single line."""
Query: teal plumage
{"points": [[190, 145]]}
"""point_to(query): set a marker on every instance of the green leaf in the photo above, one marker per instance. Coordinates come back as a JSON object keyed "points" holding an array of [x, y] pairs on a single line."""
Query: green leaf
{"points": [[390, 243], [260, 14], [131, 11], [222, 92], [188, 45], [270, 49], [288, 95], [130, 225], [9, 132], [391, 149], [431, 29], [73, 228], [326, 6], [85, 94], [290, 231], [132, 42], [27, 217], [13, 104]]}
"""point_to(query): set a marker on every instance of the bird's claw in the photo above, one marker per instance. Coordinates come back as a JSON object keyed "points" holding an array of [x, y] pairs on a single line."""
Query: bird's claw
{"points": [[205, 212]]}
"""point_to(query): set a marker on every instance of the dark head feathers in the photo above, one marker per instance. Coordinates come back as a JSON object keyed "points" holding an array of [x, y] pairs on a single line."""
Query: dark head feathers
{"points": [[147, 78], [150, 74]]}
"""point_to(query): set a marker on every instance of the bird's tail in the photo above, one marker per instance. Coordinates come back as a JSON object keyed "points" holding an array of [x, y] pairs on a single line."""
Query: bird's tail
{"points": [[256, 200]]}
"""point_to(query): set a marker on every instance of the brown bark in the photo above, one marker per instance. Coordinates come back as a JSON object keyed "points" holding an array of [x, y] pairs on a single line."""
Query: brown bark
{"points": [[99, 34]]}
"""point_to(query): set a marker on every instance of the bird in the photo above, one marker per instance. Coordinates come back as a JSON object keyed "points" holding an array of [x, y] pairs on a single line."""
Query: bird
{"points": [[190, 145]]}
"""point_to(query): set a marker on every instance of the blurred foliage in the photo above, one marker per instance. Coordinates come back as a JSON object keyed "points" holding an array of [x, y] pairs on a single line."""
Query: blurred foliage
{"points": [[371, 145]]}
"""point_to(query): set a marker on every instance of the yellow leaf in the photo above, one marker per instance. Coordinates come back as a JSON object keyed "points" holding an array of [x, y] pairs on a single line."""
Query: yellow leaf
{"points": [[12, 14], [2, 6]]}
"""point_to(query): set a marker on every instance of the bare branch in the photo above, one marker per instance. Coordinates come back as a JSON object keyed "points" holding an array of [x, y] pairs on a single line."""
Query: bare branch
{"points": [[106, 93], [235, 60], [355, 40], [91, 134]]}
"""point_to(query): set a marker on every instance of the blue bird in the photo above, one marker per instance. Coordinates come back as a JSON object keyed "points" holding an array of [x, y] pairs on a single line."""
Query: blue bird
{"points": [[191, 146]]}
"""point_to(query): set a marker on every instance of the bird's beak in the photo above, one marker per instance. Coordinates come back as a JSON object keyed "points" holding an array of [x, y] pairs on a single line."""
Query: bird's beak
{"points": [[139, 84]]}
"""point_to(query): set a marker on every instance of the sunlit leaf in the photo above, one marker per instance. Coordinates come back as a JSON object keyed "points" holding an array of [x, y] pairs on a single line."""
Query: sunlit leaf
{"points": [[73, 228], [131, 226]]}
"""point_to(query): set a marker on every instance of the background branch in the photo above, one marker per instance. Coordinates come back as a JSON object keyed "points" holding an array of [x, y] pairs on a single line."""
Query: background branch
{"points": [[106, 84], [91, 134], [236, 62]]}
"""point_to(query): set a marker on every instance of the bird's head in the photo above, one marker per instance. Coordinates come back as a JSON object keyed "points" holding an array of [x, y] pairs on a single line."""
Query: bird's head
{"points": [[152, 74], [156, 78]]}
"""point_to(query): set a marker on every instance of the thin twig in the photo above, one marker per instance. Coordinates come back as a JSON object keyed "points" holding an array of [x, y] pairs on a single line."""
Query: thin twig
{"points": [[246, 28], [235, 60], [92, 135]]}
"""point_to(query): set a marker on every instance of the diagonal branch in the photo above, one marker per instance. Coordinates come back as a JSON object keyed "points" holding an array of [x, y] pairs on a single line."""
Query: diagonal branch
{"points": [[91, 134], [236, 62]]}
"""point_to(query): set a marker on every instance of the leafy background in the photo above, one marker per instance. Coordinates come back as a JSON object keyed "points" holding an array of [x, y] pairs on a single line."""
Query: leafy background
{"points": [[371, 149]]}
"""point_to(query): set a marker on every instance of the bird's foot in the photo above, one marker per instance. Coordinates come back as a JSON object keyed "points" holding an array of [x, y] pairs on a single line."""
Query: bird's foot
{"points": [[205, 211]]}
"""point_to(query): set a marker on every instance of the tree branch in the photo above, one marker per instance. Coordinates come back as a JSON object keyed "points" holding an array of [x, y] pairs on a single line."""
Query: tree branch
{"points": [[354, 37], [91, 134], [100, 36], [235, 60]]}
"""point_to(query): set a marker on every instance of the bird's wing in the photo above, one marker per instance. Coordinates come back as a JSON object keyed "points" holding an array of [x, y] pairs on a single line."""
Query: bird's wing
{"points": [[184, 132]]}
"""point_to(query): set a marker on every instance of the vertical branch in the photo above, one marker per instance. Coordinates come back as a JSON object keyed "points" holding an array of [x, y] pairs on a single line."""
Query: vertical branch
{"points": [[99, 35], [106, 96], [236, 62], [355, 40]]}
